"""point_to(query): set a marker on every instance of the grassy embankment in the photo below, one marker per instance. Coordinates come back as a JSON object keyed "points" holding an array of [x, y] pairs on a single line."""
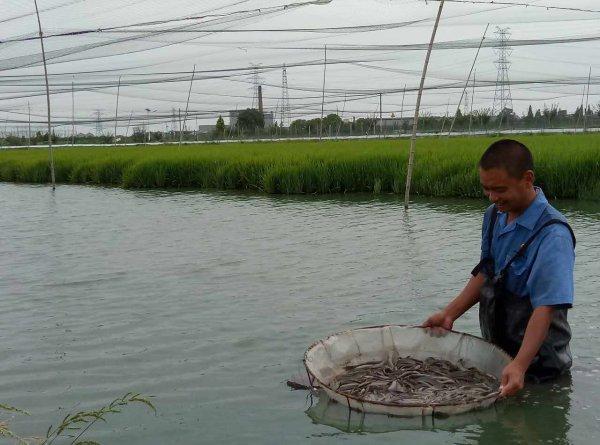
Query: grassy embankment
{"points": [[567, 166]]}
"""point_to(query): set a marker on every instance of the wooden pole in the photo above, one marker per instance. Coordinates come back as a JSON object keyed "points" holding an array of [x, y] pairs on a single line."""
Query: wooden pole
{"points": [[468, 78], [411, 154], [323, 99], [52, 175]]}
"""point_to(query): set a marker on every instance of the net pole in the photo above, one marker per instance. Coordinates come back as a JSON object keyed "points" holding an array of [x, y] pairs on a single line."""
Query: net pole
{"points": [[587, 97], [411, 155], [323, 98], [472, 101], [28, 125], [467, 81], [73, 111], [117, 108], [52, 174], [128, 124], [380, 118], [402, 108], [187, 104]]}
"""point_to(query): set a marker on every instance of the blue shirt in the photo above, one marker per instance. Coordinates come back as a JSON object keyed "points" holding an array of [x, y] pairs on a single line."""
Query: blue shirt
{"points": [[544, 273]]}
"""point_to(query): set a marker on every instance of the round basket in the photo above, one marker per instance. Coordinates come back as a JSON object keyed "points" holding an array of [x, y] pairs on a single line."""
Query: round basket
{"points": [[326, 359]]}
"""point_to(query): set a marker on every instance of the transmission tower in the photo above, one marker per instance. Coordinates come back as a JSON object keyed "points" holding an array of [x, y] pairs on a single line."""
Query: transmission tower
{"points": [[174, 126], [99, 129], [256, 80], [502, 97], [285, 99]]}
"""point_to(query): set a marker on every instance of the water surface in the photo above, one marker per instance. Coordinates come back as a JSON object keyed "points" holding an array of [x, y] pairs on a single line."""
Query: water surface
{"points": [[207, 301]]}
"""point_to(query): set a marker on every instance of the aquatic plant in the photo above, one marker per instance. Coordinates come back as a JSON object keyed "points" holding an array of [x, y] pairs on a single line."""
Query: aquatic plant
{"points": [[567, 166], [75, 425]]}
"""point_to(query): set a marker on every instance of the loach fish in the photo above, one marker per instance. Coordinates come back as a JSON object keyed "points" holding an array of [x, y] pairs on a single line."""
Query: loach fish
{"points": [[409, 381]]}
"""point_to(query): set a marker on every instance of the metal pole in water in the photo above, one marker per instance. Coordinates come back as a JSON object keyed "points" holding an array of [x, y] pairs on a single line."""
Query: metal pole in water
{"points": [[117, 108], [411, 154], [52, 175], [323, 99]]}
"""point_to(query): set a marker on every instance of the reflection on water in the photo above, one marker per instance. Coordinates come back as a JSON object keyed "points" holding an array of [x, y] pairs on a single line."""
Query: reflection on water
{"points": [[208, 301], [507, 422]]}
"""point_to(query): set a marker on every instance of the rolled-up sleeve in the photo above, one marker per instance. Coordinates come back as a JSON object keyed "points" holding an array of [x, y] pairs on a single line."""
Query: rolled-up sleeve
{"points": [[550, 282]]}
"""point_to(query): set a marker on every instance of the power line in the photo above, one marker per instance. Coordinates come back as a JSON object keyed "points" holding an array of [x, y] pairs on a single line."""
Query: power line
{"points": [[527, 5]]}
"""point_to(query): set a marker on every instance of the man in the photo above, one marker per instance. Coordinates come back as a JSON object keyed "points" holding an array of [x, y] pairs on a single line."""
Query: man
{"points": [[524, 281]]}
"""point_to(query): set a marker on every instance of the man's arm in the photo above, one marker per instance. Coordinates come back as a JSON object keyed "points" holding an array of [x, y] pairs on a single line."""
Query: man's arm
{"points": [[461, 304], [513, 375]]}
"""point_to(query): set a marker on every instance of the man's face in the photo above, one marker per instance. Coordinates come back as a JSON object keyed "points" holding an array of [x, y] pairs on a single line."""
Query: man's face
{"points": [[510, 194]]}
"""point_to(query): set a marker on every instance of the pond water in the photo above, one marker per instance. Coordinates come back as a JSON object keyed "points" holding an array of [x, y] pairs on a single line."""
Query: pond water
{"points": [[207, 301]]}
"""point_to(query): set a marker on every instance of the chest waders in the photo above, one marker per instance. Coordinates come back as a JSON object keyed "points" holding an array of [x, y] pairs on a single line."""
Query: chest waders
{"points": [[503, 316]]}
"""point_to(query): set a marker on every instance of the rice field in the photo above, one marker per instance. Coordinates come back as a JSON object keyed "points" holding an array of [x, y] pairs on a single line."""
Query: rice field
{"points": [[567, 166]]}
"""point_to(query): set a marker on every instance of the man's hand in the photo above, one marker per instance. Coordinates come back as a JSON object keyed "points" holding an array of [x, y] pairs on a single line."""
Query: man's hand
{"points": [[439, 320], [513, 379], [443, 321]]}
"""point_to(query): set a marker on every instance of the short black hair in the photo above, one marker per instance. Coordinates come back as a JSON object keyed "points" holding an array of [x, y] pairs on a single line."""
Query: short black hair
{"points": [[507, 154]]}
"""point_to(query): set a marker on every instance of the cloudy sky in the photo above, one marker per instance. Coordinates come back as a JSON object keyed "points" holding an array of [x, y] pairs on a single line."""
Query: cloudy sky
{"points": [[153, 45]]}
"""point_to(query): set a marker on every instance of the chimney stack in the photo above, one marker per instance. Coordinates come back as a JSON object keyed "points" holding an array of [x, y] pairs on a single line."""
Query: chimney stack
{"points": [[260, 101]]}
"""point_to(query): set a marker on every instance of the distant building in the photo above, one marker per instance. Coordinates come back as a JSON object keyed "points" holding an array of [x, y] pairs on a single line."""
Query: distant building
{"points": [[234, 114], [206, 129], [393, 124], [267, 115]]}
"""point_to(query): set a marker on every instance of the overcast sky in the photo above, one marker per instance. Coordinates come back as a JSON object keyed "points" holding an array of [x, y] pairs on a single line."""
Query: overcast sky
{"points": [[351, 88]]}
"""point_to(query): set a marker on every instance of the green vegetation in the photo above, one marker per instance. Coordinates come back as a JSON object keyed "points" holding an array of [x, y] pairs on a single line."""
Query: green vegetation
{"points": [[567, 166], [74, 426]]}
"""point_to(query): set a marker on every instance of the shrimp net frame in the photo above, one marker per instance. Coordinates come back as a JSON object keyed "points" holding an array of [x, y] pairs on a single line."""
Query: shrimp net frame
{"points": [[326, 359]]}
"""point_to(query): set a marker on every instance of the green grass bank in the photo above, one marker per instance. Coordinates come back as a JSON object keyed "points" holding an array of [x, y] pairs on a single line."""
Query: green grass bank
{"points": [[567, 166]]}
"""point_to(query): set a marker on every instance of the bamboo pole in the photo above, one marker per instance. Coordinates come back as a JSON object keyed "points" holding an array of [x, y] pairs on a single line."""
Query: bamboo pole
{"points": [[73, 111], [180, 128], [128, 124], [472, 102], [402, 107], [468, 78], [380, 118], [29, 125], [186, 106], [411, 154], [587, 97], [52, 174]]}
